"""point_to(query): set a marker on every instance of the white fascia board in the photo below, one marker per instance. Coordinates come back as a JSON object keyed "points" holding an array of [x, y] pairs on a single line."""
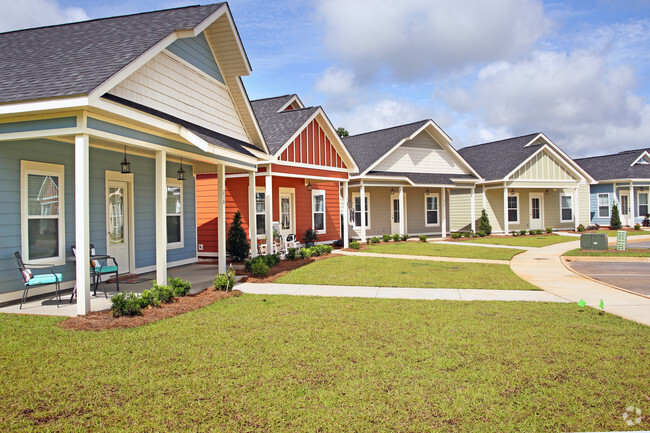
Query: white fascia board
{"points": [[274, 157], [216, 150], [623, 180], [137, 115], [221, 11], [293, 99], [645, 153], [251, 113], [44, 105], [46, 133], [580, 172], [370, 178], [352, 165], [209, 20]]}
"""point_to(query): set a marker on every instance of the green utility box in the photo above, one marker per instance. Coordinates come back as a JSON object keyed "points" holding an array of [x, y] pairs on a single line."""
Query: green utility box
{"points": [[621, 240], [593, 241]]}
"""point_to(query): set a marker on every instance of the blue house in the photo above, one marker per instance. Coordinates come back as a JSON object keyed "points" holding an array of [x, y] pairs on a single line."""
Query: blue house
{"points": [[623, 178], [104, 125]]}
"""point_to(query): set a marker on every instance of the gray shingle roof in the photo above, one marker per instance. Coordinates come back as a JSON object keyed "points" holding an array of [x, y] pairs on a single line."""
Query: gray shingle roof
{"points": [[425, 178], [496, 159], [367, 148], [616, 166], [279, 127], [74, 59], [212, 137]]}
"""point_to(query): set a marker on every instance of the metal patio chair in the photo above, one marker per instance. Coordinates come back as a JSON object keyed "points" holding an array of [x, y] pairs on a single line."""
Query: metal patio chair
{"points": [[30, 280], [99, 266]]}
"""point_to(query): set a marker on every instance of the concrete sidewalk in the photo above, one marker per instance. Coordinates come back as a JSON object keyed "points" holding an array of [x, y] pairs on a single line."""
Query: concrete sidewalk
{"points": [[430, 258], [398, 292], [543, 268]]}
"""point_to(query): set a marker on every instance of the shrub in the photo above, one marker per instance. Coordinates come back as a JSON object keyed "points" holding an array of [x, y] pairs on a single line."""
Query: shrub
{"points": [[227, 280], [315, 251], [469, 234], [522, 232], [180, 287], [404, 237], [423, 238], [305, 253], [327, 249], [259, 268], [237, 244], [310, 235], [126, 305], [456, 235], [514, 233], [637, 226], [484, 223], [539, 231], [164, 294], [481, 233], [292, 253], [549, 229], [581, 228], [386, 238], [396, 237], [615, 221], [355, 245], [375, 240], [148, 298]]}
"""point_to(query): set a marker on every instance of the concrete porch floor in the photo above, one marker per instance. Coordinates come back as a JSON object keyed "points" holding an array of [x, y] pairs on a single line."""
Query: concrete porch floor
{"points": [[200, 275]]}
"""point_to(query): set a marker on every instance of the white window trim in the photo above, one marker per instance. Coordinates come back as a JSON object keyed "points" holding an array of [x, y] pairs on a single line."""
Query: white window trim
{"points": [[354, 196], [261, 189], [638, 204], [598, 205], [42, 169], [177, 183], [281, 191], [437, 210], [518, 208], [316, 192], [572, 211]]}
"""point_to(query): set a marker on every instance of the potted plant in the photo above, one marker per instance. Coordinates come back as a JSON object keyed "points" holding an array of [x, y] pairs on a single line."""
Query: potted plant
{"points": [[310, 237]]}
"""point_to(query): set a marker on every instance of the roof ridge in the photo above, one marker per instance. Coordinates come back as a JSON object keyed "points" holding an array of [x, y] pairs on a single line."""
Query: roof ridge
{"points": [[614, 154], [390, 127], [502, 140], [273, 97], [108, 18], [293, 110]]}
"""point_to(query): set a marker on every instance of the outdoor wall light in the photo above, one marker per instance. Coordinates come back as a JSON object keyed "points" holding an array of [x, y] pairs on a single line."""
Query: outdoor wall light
{"points": [[125, 165], [427, 191], [512, 191], [308, 185], [546, 192], [392, 191], [181, 173]]}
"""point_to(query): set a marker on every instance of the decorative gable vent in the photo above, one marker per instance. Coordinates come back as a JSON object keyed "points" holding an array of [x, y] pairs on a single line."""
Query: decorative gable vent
{"points": [[643, 159]]}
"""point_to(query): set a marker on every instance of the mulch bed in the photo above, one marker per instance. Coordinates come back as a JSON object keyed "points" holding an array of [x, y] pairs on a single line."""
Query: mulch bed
{"points": [[282, 268], [101, 320], [498, 236]]}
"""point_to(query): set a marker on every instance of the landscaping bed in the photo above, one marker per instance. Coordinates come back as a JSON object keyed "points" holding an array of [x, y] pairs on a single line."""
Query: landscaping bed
{"points": [[282, 268], [101, 320]]}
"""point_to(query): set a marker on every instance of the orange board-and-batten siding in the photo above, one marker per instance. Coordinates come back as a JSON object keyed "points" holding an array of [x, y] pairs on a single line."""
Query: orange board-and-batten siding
{"points": [[312, 147]]}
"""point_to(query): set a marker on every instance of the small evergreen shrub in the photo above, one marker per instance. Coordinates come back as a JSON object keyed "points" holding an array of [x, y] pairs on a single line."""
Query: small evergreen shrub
{"points": [[292, 253], [375, 240], [269, 260], [484, 223], [304, 253], [549, 229], [481, 233], [615, 221], [468, 234], [581, 228], [456, 235], [355, 245], [310, 235], [227, 280], [316, 251], [396, 237], [259, 268], [386, 238], [514, 233], [423, 238], [149, 298], [237, 244], [327, 249], [637, 226], [126, 305], [522, 232], [404, 237], [165, 294], [179, 286]]}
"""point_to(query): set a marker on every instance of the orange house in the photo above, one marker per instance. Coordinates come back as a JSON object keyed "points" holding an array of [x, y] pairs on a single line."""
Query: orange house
{"points": [[297, 185]]}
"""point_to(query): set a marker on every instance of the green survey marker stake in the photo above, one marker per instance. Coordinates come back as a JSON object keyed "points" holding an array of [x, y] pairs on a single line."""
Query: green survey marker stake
{"points": [[582, 303], [602, 305]]}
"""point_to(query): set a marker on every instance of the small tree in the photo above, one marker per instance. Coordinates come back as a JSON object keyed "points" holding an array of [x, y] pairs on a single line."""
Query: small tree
{"points": [[484, 223], [615, 221], [342, 132], [237, 242]]}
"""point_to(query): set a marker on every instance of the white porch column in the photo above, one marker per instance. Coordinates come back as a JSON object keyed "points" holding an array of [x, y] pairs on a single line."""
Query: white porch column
{"points": [[443, 220], [362, 199], [221, 217], [473, 210], [632, 205], [161, 216], [81, 222], [269, 212], [252, 215], [402, 224], [505, 210], [576, 207], [346, 216]]}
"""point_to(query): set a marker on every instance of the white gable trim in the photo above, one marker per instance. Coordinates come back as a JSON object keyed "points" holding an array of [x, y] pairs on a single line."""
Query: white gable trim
{"points": [[644, 154], [249, 108], [293, 99], [49, 104]]}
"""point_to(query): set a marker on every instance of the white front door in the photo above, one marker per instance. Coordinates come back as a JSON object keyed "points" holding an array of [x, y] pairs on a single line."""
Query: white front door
{"points": [[395, 215], [117, 223], [625, 208], [287, 218], [536, 211]]}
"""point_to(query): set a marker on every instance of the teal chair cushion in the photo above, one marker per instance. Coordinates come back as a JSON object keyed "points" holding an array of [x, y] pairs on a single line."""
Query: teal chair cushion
{"points": [[45, 279], [106, 269]]}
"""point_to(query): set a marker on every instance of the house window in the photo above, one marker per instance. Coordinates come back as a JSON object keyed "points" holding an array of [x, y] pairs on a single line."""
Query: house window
{"points": [[431, 210], [603, 205], [43, 228], [357, 211], [566, 208], [260, 211], [318, 210], [643, 203], [174, 213], [513, 209]]}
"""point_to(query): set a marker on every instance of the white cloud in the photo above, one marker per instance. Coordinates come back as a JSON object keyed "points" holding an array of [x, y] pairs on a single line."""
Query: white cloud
{"points": [[378, 115], [417, 38], [35, 13], [339, 88]]}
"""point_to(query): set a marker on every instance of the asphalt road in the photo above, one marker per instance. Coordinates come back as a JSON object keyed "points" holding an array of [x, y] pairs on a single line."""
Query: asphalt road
{"points": [[630, 276]]}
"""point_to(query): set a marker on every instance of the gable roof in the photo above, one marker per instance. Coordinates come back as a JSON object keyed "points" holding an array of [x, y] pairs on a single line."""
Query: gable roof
{"points": [[425, 178], [76, 58], [369, 147], [616, 166]]}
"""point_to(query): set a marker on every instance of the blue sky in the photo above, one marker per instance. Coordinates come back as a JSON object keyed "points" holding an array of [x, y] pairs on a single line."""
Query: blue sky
{"points": [[578, 71]]}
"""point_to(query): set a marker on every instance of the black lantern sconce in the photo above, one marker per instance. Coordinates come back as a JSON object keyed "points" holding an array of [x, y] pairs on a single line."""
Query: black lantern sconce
{"points": [[125, 165], [181, 173]]}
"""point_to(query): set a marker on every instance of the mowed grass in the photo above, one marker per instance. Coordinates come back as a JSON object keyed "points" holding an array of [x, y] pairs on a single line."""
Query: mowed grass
{"points": [[443, 250], [297, 364], [614, 233], [612, 252], [385, 272], [525, 241]]}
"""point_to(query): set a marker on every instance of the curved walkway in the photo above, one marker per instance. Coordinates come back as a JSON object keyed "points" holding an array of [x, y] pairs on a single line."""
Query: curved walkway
{"points": [[431, 258]]}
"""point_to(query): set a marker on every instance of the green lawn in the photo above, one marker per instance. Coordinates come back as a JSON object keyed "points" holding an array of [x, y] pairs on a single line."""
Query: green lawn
{"points": [[614, 233], [612, 252], [306, 364], [525, 241], [443, 250], [380, 272]]}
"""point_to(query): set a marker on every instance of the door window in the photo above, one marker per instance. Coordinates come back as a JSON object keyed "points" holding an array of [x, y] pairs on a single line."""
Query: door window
{"points": [[535, 208], [116, 216], [396, 211], [285, 213]]}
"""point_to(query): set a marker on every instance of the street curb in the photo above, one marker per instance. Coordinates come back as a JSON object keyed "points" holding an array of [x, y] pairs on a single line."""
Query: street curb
{"points": [[564, 262], [606, 259]]}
